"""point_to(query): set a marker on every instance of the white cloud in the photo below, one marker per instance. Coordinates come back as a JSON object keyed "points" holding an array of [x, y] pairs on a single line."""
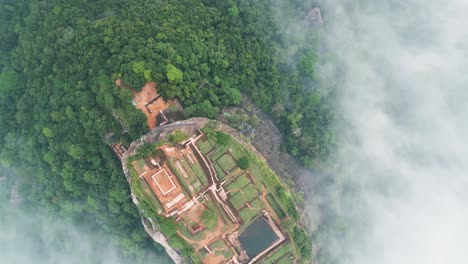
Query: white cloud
{"points": [[404, 96], [37, 238]]}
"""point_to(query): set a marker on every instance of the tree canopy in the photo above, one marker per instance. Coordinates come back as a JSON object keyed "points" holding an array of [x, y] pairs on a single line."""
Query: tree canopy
{"points": [[59, 102], [209, 218]]}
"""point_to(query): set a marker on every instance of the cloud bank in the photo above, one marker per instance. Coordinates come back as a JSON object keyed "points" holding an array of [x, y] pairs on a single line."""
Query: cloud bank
{"points": [[29, 235], [403, 97]]}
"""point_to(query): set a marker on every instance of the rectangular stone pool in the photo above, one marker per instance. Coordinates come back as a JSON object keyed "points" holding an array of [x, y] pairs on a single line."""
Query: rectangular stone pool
{"points": [[257, 237]]}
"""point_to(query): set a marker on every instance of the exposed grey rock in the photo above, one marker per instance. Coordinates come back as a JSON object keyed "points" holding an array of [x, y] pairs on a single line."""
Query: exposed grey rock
{"points": [[314, 17]]}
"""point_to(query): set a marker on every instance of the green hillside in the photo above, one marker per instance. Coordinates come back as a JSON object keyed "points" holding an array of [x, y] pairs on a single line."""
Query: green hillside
{"points": [[58, 101]]}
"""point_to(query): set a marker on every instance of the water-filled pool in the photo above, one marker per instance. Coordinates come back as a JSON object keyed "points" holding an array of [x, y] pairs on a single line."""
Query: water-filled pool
{"points": [[257, 237]]}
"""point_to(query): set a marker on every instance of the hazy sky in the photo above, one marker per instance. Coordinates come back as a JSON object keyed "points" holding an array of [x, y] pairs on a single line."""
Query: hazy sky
{"points": [[404, 99]]}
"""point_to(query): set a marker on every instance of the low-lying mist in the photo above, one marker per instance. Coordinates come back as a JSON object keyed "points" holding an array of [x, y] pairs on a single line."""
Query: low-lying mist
{"points": [[30, 235], [401, 193]]}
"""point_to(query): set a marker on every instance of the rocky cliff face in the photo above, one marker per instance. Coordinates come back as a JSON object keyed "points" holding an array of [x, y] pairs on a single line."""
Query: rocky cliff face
{"points": [[189, 127], [186, 126]]}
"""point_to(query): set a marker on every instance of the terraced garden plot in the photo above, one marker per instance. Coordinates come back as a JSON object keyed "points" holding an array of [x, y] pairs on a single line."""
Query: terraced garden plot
{"points": [[250, 192], [217, 154], [284, 251], [274, 204], [226, 219], [186, 233], [197, 186], [286, 259], [248, 215], [243, 180], [204, 146], [233, 185], [220, 214], [139, 165], [187, 168], [257, 203], [221, 248], [207, 235], [238, 200], [185, 185], [192, 180], [236, 149], [202, 177], [244, 189], [202, 253], [148, 193], [236, 173], [221, 173], [226, 162], [257, 181], [256, 171]]}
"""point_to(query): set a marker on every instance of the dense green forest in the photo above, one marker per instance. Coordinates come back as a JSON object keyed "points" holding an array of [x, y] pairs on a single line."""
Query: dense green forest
{"points": [[59, 61]]}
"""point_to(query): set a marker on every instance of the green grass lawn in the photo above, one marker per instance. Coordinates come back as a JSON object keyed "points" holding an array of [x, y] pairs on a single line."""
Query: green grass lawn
{"points": [[238, 200], [219, 171], [221, 248], [248, 215], [219, 213], [187, 169], [232, 186], [219, 244], [193, 179], [217, 154], [257, 203], [226, 162], [204, 146], [286, 259], [278, 210], [236, 149], [173, 108], [250, 192], [197, 169], [196, 186], [186, 233], [202, 253], [149, 195], [257, 173], [243, 180], [227, 253], [280, 197], [180, 177], [285, 251], [140, 164]]}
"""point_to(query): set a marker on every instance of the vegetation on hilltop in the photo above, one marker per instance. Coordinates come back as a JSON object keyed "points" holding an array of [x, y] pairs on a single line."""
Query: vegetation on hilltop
{"points": [[247, 194], [59, 61]]}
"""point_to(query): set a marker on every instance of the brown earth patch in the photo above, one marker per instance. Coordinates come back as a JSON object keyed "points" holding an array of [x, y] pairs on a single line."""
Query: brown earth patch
{"points": [[194, 214], [166, 187], [147, 94], [147, 100], [214, 259]]}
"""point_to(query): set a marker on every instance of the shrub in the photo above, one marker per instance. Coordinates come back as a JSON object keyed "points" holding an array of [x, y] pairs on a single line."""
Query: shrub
{"points": [[177, 137], [209, 218], [244, 163], [222, 139]]}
